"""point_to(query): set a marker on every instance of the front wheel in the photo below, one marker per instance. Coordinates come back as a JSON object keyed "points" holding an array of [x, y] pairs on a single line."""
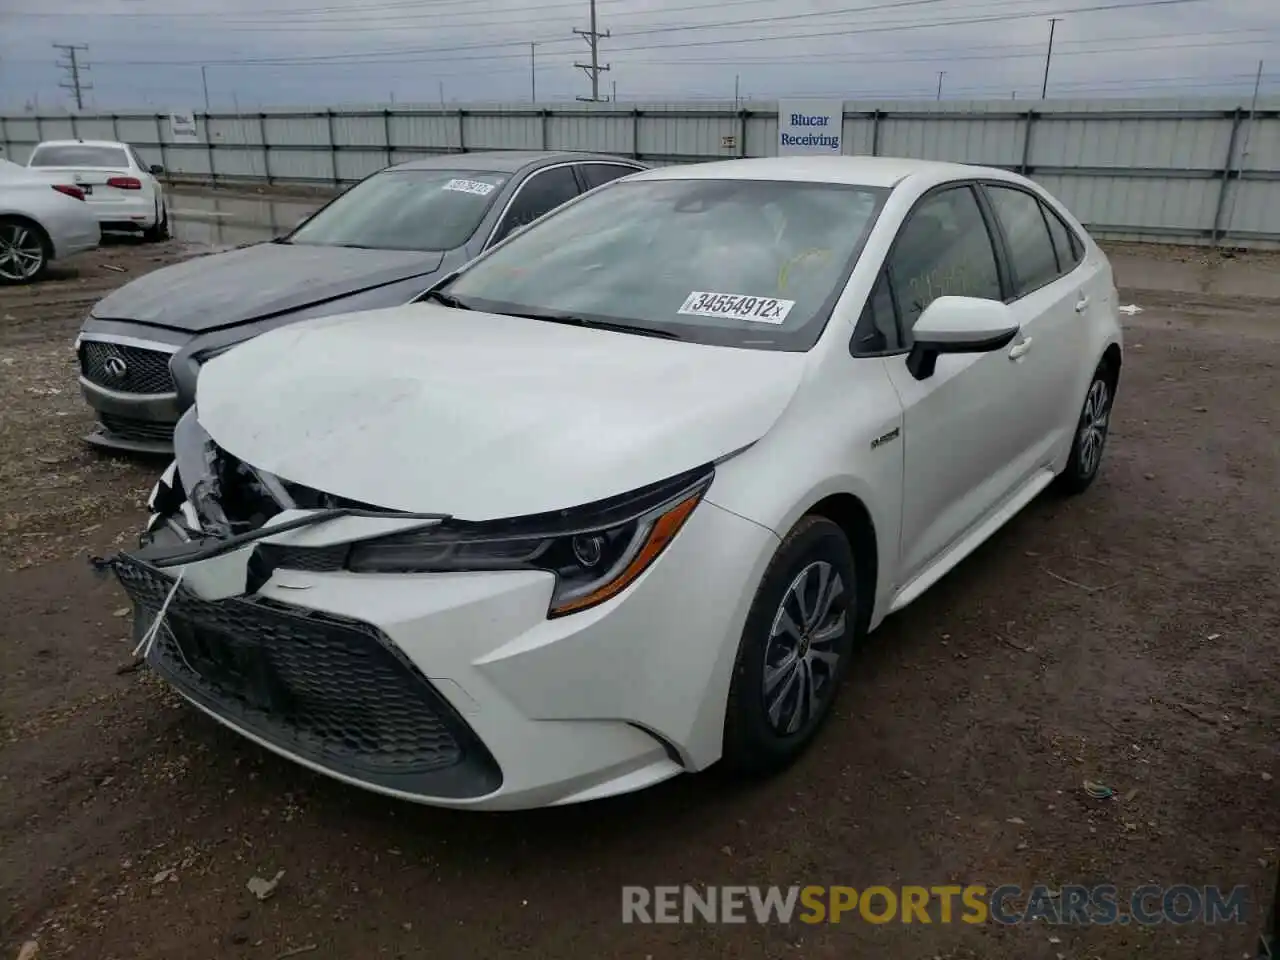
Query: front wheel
{"points": [[24, 251], [1091, 434], [795, 649]]}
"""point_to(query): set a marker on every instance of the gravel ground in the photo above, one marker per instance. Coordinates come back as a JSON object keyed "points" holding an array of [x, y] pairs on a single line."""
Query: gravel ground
{"points": [[1127, 636]]}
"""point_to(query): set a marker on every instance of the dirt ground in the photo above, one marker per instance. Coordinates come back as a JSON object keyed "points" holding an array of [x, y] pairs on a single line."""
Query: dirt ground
{"points": [[1128, 637]]}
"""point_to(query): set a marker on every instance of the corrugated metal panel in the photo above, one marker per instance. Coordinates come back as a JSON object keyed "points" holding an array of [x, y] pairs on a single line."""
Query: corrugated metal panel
{"points": [[301, 165], [502, 133], [136, 130], [358, 164], [95, 128], [1135, 165], [364, 131], [424, 130], [1137, 201]]}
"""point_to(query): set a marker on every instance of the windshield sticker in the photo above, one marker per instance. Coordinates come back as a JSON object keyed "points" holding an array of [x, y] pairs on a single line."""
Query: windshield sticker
{"points": [[734, 306], [478, 187]]}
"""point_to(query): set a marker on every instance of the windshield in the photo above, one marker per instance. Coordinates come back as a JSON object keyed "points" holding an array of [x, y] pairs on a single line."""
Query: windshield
{"points": [[405, 210], [743, 263], [78, 155]]}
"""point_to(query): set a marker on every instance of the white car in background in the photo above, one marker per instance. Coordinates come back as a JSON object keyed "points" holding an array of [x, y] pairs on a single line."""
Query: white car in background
{"points": [[120, 189], [619, 498], [40, 222]]}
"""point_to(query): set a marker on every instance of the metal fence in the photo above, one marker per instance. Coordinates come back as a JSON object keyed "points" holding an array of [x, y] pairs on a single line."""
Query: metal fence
{"points": [[1200, 171]]}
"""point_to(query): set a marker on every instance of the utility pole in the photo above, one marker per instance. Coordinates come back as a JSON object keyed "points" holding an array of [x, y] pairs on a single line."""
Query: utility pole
{"points": [[204, 81], [533, 73], [737, 98], [74, 68], [1053, 23], [614, 97], [941, 74], [593, 69]]}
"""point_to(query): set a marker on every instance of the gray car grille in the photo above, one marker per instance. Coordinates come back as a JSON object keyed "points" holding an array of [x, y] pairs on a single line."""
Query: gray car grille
{"points": [[127, 369]]}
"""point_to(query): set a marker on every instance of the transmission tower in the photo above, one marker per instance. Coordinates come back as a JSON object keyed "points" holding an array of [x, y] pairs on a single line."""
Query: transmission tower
{"points": [[593, 69], [74, 67]]}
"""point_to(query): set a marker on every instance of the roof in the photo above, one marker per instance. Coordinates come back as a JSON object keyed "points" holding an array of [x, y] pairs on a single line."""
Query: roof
{"points": [[79, 143], [502, 161], [859, 171]]}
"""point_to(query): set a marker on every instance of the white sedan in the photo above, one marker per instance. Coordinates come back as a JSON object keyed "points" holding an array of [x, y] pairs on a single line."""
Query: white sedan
{"points": [[121, 189], [618, 500], [40, 222]]}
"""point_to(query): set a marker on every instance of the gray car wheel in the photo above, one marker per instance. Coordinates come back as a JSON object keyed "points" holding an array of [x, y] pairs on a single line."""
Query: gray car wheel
{"points": [[24, 251]]}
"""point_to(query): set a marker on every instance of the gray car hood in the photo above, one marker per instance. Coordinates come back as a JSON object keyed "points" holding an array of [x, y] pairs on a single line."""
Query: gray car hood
{"points": [[222, 289]]}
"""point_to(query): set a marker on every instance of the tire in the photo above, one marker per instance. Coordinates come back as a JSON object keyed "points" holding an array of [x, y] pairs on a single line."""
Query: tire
{"points": [[160, 231], [24, 251], [756, 743], [1090, 439]]}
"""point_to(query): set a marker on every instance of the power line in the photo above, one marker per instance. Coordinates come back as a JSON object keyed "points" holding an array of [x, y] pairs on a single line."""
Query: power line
{"points": [[382, 56], [593, 69], [74, 67]]}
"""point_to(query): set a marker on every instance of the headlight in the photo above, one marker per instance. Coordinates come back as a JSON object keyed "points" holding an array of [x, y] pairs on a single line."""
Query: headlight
{"points": [[595, 551]]}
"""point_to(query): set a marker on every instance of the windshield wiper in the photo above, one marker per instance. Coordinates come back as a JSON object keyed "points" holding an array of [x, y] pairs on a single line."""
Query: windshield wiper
{"points": [[447, 299], [576, 321]]}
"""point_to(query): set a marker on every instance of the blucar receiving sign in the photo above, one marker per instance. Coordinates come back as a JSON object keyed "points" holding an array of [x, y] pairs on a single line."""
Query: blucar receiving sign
{"points": [[182, 128], [809, 127]]}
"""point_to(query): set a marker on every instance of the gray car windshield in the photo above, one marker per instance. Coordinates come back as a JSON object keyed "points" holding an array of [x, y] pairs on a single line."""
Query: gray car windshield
{"points": [[744, 263], [405, 210], [79, 155]]}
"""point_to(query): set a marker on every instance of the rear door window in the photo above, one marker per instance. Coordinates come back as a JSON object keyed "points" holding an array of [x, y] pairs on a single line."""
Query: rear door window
{"points": [[1026, 234], [1065, 243], [598, 174], [541, 193]]}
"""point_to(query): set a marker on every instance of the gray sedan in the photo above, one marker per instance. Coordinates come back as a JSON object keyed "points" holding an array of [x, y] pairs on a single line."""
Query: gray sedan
{"points": [[380, 244]]}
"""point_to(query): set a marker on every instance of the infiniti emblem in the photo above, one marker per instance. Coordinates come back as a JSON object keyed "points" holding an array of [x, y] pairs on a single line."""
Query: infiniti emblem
{"points": [[115, 367]]}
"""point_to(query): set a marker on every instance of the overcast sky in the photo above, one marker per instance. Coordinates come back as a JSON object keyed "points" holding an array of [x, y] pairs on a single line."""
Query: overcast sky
{"points": [[150, 52]]}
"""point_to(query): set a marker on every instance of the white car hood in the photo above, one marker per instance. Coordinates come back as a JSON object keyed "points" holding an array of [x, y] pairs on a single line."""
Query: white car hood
{"points": [[482, 416]]}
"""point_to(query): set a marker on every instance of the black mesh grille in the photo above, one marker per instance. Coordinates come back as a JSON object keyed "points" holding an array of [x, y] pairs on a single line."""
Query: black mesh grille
{"points": [[139, 430], [125, 368], [333, 691]]}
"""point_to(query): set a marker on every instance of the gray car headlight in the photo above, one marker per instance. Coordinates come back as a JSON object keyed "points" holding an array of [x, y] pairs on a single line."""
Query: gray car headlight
{"points": [[594, 551]]}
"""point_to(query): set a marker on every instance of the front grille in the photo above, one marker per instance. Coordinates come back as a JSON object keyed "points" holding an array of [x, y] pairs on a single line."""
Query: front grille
{"points": [[333, 691], [141, 431], [117, 366]]}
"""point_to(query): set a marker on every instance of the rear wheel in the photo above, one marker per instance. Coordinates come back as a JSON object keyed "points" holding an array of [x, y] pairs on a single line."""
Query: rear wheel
{"points": [[794, 650], [1091, 433], [24, 251], [160, 230]]}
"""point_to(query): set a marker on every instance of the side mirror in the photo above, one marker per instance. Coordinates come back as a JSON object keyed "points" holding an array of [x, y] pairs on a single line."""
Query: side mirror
{"points": [[958, 325], [156, 169]]}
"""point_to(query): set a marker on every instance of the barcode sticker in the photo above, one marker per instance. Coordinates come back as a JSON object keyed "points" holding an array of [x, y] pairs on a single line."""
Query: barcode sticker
{"points": [[736, 306]]}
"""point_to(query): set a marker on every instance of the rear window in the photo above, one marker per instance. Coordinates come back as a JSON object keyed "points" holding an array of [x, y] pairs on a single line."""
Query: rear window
{"points": [[78, 155]]}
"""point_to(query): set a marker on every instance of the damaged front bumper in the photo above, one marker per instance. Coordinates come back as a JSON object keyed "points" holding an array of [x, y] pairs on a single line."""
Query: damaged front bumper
{"points": [[446, 688], [332, 691]]}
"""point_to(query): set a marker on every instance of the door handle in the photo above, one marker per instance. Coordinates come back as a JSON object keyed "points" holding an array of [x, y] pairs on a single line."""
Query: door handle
{"points": [[1082, 304], [1018, 350]]}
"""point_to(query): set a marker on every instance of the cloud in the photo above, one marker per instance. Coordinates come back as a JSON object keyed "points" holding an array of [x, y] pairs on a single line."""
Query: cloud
{"points": [[145, 53]]}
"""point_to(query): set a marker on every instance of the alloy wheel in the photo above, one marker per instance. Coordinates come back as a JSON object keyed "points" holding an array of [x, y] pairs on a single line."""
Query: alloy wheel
{"points": [[1093, 426], [21, 252], [801, 657]]}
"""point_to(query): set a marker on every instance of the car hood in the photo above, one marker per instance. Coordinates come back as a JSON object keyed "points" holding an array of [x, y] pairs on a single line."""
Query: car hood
{"points": [[205, 293], [425, 408]]}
